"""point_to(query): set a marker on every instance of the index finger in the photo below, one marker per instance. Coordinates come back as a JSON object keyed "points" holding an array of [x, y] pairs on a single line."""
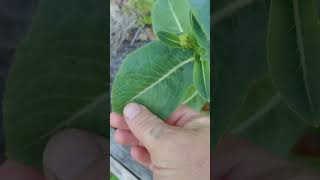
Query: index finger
{"points": [[117, 121]]}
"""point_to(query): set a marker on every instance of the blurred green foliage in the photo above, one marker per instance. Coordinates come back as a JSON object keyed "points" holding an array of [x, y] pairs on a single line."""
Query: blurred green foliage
{"points": [[112, 177]]}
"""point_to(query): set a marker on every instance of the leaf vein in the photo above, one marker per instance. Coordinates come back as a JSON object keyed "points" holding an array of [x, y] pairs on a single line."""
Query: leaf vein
{"points": [[175, 16], [300, 43], [160, 79]]}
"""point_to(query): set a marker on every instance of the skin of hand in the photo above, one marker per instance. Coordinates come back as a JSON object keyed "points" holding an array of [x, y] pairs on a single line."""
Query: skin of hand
{"points": [[69, 155], [178, 148], [79, 155], [238, 159]]}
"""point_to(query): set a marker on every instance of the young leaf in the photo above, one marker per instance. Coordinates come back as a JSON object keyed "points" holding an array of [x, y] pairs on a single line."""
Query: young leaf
{"points": [[201, 78], [59, 78], [202, 40], [171, 16], [293, 55], [201, 10], [169, 39], [187, 41], [155, 76]]}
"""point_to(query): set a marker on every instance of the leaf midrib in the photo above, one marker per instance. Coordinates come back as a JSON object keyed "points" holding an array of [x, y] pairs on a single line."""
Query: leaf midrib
{"points": [[175, 16], [75, 116], [174, 69], [191, 97], [205, 80], [257, 115], [301, 49]]}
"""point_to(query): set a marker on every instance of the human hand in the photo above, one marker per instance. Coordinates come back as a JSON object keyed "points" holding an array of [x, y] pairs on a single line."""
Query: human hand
{"points": [[178, 148], [69, 155], [237, 159]]}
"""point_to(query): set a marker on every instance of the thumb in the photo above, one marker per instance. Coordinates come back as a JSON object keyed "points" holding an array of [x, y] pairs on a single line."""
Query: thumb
{"points": [[147, 127], [75, 154]]}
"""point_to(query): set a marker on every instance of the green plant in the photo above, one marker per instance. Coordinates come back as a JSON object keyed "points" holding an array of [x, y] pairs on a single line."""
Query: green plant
{"points": [[173, 70], [266, 59], [59, 78], [113, 177]]}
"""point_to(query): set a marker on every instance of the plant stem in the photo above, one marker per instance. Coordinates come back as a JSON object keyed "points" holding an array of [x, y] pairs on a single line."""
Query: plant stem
{"points": [[301, 48]]}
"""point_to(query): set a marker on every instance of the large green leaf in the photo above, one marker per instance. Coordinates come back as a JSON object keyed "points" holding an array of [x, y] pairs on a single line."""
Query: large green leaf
{"points": [[239, 59], [156, 76], [264, 118], [59, 78], [171, 16], [293, 55]]}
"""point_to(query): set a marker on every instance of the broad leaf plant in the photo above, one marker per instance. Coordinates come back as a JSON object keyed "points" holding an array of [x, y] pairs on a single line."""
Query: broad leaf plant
{"points": [[175, 68], [266, 59]]}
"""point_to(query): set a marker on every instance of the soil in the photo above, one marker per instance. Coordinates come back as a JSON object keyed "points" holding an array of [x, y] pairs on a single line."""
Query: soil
{"points": [[126, 35]]}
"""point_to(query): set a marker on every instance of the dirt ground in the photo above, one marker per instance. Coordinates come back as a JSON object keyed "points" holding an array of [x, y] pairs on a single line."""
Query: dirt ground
{"points": [[125, 35]]}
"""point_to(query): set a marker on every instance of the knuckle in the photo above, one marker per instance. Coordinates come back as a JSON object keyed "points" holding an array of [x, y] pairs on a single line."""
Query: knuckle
{"points": [[144, 120]]}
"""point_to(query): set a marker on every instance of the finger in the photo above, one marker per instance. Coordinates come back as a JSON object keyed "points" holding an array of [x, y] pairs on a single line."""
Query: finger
{"points": [[244, 159], [125, 137], [146, 126], [12, 170], [72, 154], [96, 171], [117, 121], [183, 115], [141, 155]]}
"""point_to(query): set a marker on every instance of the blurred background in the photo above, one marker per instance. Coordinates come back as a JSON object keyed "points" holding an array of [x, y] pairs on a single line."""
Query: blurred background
{"points": [[15, 16]]}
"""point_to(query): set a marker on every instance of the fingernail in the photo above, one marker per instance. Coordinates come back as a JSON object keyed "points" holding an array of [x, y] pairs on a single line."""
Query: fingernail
{"points": [[69, 153], [131, 110]]}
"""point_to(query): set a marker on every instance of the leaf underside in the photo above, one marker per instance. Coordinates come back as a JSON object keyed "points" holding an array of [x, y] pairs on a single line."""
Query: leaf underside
{"points": [[171, 16], [154, 76], [293, 55], [264, 117], [239, 59]]}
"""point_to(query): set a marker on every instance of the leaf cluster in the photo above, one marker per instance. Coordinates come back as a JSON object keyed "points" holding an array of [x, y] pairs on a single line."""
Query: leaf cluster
{"points": [[174, 69]]}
